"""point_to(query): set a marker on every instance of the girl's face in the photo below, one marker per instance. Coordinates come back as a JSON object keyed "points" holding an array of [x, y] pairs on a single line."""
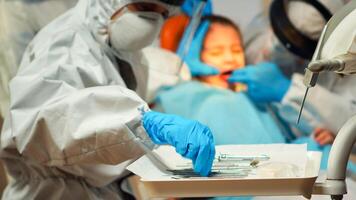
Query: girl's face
{"points": [[223, 50]]}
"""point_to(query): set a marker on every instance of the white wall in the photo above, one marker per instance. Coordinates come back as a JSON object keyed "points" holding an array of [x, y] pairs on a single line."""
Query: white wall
{"points": [[240, 11]]}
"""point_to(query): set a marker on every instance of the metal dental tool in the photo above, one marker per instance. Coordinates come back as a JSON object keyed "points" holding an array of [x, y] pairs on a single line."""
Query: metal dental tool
{"points": [[310, 78], [192, 28], [225, 165], [236, 158]]}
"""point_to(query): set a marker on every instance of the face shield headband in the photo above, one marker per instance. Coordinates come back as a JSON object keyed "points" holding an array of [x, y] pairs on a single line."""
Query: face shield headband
{"points": [[173, 2]]}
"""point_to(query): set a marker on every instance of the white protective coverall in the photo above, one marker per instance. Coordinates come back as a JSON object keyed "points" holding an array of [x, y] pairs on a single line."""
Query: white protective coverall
{"points": [[74, 122], [333, 100], [20, 20]]}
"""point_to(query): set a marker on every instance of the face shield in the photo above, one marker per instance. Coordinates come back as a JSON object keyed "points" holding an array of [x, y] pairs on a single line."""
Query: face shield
{"points": [[298, 24], [173, 6], [288, 62], [261, 45], [164, 7], [288, 39]]}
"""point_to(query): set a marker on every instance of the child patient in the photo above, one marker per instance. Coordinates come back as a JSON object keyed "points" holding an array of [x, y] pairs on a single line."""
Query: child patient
{"points": [[223, 49], [232, 116]]}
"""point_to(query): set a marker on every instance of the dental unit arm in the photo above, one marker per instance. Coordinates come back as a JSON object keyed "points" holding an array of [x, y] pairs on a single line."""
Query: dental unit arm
{"points": [[336, 52]]}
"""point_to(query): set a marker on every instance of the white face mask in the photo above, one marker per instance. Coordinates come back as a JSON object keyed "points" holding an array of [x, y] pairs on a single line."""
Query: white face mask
{"points": [[134, 30]]}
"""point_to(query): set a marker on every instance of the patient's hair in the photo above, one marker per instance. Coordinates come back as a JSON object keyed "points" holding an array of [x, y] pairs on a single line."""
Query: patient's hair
{"points": [[223, 21]]}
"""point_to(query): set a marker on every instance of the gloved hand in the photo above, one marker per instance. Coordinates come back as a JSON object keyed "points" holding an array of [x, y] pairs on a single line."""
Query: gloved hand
{"points": [[265, 82], [190, 138], [192, 58], [189, 6]]}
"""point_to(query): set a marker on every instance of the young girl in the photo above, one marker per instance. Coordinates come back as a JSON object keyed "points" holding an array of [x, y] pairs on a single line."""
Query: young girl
{"points": [[229, 113], [233, 118], [223, 49]]}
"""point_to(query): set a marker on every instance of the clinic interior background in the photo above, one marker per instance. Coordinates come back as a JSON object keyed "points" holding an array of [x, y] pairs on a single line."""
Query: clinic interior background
{"points": [[242, 17]]}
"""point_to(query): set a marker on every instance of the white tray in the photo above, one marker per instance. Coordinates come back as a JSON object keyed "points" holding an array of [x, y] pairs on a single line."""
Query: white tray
{"points": [[210, 187]]}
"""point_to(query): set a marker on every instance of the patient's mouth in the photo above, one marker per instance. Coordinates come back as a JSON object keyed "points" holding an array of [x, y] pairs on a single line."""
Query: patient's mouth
{"points": [[225, 75]]}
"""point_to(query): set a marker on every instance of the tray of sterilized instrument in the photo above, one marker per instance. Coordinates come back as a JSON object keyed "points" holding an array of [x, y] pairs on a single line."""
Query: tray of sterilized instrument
{"points": [[238, 170]]}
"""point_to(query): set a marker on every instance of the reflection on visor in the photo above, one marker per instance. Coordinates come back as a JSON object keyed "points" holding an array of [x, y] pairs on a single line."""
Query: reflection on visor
{"points": [[148, 7], [144, 7]]}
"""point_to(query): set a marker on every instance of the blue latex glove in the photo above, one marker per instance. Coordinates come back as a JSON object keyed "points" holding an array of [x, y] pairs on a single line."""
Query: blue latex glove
{"points": [[196, 66], [265, 82], [189, 6], [190, 138]]}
